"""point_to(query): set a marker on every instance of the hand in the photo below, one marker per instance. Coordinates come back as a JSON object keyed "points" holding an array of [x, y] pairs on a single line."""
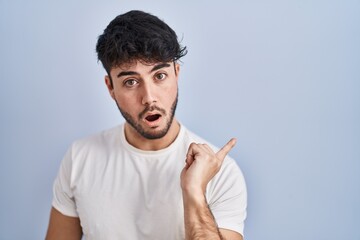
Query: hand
{"points": [[201, 165]]}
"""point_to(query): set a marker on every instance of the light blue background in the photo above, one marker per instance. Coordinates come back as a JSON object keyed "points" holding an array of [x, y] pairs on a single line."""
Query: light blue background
{"points": [[281, 76]]}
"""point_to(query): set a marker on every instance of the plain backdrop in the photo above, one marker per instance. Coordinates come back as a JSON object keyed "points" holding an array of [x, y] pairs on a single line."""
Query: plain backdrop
{"points": [[281, 76]]}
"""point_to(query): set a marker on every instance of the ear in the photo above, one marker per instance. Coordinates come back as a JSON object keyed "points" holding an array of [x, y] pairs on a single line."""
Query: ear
{"points": [[177, 69], [109, 86]]}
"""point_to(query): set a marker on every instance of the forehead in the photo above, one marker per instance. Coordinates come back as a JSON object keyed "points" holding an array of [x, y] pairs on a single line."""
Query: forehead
{"points": [[135, 64], [139, 66]]}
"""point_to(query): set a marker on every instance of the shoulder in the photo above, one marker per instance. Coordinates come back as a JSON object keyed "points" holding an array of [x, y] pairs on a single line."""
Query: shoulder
{"points": [[191, 137], [104, 138], [91, 152], [94, 146]]}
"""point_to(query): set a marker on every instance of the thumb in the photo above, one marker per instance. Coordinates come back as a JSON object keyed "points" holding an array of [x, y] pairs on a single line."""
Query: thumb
{"points": [[221, 154]]}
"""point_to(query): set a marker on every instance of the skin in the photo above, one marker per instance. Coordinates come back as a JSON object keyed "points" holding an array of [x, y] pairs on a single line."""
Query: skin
{"points": [[137, 88], [201, 166], [62, 227]]}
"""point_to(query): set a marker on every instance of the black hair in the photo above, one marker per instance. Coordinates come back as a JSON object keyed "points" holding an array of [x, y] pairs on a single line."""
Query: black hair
{"points": [[137, 35]]}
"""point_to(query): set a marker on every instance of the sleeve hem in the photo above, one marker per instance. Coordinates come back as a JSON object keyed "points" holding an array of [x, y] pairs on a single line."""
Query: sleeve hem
{"points": [[65, 211], [232, 227]]}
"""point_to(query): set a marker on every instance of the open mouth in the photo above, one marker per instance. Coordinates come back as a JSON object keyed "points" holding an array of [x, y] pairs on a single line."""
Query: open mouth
{"points": [[152, 118]]}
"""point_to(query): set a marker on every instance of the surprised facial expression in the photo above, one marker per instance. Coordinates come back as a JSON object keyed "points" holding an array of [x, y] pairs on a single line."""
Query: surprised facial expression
{"points": [[146, 95]]}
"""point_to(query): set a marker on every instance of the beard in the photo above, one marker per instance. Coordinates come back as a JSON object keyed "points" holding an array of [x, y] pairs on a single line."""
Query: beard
{"points": [[147, 134]]}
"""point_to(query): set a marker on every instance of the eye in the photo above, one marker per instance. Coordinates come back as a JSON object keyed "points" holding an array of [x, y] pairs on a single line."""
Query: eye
{"points": [[130, 82], [160, 76]]}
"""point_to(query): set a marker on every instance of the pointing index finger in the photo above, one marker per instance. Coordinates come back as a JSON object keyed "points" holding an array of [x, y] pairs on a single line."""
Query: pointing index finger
{"points": [[221, 154]]}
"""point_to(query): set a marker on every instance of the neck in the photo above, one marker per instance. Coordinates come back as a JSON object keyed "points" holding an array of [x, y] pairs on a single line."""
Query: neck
{"points": [[138, 141]]}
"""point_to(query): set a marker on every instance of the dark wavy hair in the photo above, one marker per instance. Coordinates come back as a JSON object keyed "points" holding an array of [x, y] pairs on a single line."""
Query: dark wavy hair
{"points": [[137, 35]]}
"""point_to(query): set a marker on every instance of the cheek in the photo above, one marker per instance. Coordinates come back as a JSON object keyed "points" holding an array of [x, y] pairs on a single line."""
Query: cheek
{"points": [[127, 103], [172, 88], [171, 96]]}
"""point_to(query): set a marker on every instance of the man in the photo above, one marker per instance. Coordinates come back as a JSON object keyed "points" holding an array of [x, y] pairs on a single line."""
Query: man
{"points": [[149, 178]]}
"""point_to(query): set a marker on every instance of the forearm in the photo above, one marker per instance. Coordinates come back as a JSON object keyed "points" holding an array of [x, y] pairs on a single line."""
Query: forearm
{"points": [[199, 221], [201, 165]]}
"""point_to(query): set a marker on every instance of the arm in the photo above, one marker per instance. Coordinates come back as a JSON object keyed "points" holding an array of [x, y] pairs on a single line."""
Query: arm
{"points": [[62, 227], [201, 166]]}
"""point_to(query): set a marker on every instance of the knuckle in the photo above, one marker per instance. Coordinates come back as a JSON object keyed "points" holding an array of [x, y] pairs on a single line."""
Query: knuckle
{"points": [[194, 145], [212, 160]]}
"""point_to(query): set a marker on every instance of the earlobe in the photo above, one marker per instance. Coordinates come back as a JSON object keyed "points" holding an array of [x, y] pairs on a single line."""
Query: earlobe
{"points": [[110, 87]]}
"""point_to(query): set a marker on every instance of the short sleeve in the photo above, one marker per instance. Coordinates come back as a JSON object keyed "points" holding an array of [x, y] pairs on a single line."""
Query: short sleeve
{"points": [[63, 199], [227, 197]]}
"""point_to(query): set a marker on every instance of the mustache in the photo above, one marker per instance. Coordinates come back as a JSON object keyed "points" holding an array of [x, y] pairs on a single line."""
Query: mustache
{"points": [[149, 108]]}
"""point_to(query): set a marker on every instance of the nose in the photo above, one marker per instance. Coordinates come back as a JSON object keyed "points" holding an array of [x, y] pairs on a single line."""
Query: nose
{"points": [[148, 96]]}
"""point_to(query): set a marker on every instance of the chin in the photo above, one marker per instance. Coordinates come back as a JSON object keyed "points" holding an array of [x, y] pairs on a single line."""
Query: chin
{"points": [[154, 133]]}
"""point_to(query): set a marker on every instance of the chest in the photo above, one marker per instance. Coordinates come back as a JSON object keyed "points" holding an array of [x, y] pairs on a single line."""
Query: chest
{"points": [[130, 199]]}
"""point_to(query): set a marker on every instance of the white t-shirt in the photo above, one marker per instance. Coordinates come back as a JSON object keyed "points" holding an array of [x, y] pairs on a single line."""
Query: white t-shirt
{"points": [[121, 192]]}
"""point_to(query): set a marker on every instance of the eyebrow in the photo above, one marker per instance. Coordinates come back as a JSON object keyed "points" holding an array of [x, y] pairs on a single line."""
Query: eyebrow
{"points": [[126, 73], [161, 65], [157, 67]]}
